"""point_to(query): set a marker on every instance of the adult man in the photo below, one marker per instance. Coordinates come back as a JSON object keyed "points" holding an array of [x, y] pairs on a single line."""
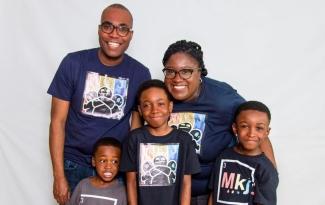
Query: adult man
{"points": [[93, 94]]}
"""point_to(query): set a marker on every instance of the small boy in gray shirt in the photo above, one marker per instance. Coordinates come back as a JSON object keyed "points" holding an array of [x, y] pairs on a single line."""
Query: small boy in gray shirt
{"points": [[103, 188]]}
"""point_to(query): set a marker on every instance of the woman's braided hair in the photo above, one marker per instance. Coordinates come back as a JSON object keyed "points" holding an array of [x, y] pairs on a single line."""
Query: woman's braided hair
{"points": [[189, 47]]}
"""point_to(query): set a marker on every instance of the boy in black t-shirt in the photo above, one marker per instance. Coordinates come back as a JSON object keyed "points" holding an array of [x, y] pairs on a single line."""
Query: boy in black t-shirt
{"points": [[243, 174], [158, 160]]}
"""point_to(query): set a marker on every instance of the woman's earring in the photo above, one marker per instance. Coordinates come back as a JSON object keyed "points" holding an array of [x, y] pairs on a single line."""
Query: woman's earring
{"points": [[237, 138]]}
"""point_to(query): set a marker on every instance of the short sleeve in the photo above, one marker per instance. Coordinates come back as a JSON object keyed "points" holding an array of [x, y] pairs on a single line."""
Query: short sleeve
{"points": [[213, 176], [143, 76], [75, 197], [265, 192], [62, 85], [192, 165], [146, 75], [121, 193], [129, 154]]}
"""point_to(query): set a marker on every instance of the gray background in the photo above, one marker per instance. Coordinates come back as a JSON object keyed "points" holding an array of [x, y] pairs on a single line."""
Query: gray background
{"points": [[272, 51]]}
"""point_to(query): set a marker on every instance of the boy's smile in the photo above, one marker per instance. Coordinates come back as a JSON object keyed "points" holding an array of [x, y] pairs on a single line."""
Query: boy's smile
{"points": [[155, 108]]}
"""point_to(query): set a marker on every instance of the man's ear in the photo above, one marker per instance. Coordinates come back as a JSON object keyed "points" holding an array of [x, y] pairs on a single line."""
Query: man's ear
{"points": [[131, 35]]}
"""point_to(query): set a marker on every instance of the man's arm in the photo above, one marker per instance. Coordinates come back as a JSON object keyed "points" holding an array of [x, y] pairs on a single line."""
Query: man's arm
{"points": [[266, 147], [136, 120], [186, 190], [132, 193], [59, 112]]}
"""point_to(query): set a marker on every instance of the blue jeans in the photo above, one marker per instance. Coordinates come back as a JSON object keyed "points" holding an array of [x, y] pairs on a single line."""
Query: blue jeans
{"points": [[199, 200], [75, 172]]}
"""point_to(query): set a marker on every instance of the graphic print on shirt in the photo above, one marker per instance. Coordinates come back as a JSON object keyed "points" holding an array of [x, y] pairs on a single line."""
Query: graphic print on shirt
{"points": [[193, 123], [158, 164], [96, 199], [236, 182], [104, 96]]}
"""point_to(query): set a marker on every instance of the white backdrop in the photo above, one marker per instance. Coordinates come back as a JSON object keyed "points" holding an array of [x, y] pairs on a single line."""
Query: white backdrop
{"points": [[272, 51]]}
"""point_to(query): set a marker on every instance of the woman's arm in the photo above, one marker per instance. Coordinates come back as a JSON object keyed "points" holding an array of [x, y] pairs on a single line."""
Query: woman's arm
{"points": [[266, 147], [136, 120]]}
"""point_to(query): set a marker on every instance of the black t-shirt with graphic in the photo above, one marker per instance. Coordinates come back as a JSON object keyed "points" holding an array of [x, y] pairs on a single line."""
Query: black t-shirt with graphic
{"points": [[241, 179], [160, 163]]}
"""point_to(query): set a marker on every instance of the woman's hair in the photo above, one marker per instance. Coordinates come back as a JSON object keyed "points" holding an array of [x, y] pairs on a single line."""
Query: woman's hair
{"points": [[189, 47], [154, 83], [253, 105]]}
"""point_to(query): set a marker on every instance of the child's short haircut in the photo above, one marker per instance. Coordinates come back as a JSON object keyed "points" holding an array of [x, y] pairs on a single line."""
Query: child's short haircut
{"points": [[106, 141], [154, 83], [253, 105]]}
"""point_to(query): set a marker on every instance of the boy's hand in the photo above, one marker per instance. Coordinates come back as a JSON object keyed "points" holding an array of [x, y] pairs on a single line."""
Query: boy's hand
{"points": [[61, 190]]}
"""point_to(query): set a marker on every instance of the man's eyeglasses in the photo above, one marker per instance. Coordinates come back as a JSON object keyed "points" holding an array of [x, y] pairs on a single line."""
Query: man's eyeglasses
{"points": [[184, 73], [121, 30]]}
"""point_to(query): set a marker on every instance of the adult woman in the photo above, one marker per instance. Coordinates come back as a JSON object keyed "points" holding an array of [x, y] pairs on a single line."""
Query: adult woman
{"points": [[203, 107]]}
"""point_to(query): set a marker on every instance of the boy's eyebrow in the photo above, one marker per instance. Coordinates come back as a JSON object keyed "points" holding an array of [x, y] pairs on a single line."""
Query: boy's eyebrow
{"points": [[259, 123], [159, 99]]}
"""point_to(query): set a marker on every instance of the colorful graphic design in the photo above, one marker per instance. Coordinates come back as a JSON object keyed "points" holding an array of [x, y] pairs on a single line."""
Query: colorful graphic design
{"points": [[104, 96], [95, 199], [236, 182], [158, 164], [193, 123]]}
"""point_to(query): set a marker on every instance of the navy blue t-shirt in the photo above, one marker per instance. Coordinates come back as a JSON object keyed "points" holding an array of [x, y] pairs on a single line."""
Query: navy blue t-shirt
{"points": [[208, 119], [241, 179], [101, 99]]}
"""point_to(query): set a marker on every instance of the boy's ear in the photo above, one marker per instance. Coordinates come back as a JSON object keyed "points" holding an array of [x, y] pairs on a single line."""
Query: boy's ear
{"points": [[268, 132], [171, 105], [93, 161]]}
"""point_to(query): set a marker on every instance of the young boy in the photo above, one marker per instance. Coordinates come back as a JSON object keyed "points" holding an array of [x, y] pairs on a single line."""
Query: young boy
{"points": [[103, 188], [158, 159], [243, 174]]}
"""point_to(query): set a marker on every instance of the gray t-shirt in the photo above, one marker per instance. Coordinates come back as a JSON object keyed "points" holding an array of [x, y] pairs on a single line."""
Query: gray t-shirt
{"points": [[86, 194]]}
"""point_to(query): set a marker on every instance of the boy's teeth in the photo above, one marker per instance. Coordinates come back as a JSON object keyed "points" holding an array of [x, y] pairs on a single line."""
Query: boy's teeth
{"points": [[107, 174]]}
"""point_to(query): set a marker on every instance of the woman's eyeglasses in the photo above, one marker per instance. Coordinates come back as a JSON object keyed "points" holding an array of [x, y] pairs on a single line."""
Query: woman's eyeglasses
{"points": [[184, 73]]}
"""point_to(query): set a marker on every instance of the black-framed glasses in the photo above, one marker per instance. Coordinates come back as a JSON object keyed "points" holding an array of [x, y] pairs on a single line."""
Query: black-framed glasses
{"points": [[184, 73], [122, 30]]}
